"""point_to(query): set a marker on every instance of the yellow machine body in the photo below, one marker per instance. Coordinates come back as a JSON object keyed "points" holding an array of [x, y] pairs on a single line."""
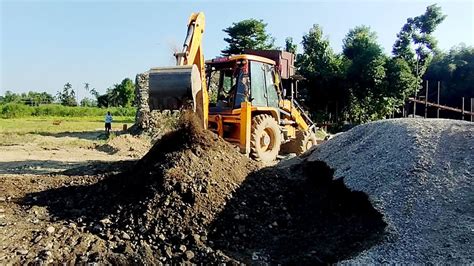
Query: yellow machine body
{"points": [[258, 119], [239, 120]]}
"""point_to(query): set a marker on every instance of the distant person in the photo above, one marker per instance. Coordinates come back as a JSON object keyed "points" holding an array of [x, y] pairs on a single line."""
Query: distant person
{"points": [[108, 122]]}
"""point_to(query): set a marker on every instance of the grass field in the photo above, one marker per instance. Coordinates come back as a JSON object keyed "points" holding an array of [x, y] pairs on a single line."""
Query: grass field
{"points": [[16, 110], [81, 130], [67, 124]]}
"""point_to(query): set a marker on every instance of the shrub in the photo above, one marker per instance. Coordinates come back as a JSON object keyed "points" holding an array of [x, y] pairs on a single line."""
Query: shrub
{"points": [[15, 110], [12, 110]]}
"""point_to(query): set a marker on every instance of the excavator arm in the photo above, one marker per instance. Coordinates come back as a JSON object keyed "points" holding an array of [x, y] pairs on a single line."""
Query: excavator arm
{"points": [[185, 85]]}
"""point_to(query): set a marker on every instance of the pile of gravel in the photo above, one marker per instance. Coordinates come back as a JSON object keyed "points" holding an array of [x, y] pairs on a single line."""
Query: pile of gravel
{"points": [[418, 173]]}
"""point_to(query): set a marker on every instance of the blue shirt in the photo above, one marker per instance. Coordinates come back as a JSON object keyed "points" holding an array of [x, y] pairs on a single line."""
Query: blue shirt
{"points": [[108, 119]]}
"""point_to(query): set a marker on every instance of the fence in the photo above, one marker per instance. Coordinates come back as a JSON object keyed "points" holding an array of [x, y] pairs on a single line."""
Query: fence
{"points": [[424, 101]]}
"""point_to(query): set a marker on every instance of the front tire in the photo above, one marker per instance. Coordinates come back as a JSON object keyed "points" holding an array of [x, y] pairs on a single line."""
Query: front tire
{"points": [[303, 142], [265, 140]]}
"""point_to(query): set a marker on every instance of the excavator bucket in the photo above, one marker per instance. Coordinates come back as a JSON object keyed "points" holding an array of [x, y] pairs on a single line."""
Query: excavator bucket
{"points": [[174, 88]]}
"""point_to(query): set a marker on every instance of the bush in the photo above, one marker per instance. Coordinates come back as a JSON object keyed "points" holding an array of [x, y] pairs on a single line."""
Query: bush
{"points": [[15, 110], [12, 110]]}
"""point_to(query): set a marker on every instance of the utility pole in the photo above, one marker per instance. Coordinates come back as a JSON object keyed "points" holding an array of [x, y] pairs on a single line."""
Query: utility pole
{"points": [[462, 108], [437, 111]]}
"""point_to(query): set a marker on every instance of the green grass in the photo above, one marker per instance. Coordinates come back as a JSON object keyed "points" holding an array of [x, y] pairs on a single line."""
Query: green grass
{"points": [[15, 110], [68, 124], [72, 131]]}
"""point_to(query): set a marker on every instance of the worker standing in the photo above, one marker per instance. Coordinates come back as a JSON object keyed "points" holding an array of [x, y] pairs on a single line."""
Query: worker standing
{"points": [[108, 122]]}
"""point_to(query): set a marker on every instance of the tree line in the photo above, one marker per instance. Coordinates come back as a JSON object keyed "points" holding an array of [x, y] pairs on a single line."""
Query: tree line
{"points": [[119, 95], [362, 83]]}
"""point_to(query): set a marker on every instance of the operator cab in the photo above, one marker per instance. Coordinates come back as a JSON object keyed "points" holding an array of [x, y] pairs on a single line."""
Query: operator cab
{"points": [[235, 79]]}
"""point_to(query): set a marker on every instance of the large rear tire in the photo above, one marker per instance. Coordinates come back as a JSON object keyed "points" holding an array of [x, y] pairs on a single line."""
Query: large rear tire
{"points": [[303, 142], [265, 140]]}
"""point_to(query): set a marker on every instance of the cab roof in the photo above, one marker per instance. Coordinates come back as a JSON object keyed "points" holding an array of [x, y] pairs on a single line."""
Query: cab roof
{"points": [[226, 59]]}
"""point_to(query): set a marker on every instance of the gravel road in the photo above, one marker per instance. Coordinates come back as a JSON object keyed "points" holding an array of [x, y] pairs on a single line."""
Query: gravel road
{"points": [[418, 173]]}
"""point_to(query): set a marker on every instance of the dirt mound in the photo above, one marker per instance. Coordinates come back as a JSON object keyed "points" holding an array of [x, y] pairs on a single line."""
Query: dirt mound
{"points": [[126, 145], [157, 211], [419, 174], [179, 185]]}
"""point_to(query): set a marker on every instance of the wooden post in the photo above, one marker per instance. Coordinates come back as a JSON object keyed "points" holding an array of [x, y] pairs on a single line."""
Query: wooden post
{"points": [[426, 100], [414, 105], [472, 109], [462, 108], [437, 111]]}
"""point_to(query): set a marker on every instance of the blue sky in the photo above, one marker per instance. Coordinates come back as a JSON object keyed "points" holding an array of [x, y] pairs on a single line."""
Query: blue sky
{"points": [[45, 44]]}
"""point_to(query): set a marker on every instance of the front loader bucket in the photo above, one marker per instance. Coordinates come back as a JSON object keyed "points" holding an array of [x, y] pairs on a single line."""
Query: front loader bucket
{"points": [[174, 88]]}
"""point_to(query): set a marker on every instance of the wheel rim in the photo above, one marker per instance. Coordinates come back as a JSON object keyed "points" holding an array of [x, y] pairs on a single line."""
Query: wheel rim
{"points": [[267, 140]]}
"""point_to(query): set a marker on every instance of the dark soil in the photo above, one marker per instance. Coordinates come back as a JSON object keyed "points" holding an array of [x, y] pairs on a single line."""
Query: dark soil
{"points": [[296, 216]]}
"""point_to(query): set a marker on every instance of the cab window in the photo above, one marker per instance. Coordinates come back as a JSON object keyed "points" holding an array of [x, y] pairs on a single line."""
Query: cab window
{"points": [[222, 85], [271, 86], [262, 84], [257, 84]]}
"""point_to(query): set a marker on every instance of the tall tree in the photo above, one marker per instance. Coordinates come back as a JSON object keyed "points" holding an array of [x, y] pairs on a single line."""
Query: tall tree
{"points": [[401, 83], [94, 93], [88, 102], [455, 71], [366, 75], [318, 59], [30, 98], [322, 70], [415, 43], [290, 46], [126, 92], [247, 34], [67, 96], [11, 97], [113, 97], [121, 95]]}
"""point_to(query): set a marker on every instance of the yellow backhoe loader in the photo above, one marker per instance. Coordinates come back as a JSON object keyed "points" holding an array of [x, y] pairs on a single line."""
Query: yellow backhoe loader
{"points": [[247, 99]]}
